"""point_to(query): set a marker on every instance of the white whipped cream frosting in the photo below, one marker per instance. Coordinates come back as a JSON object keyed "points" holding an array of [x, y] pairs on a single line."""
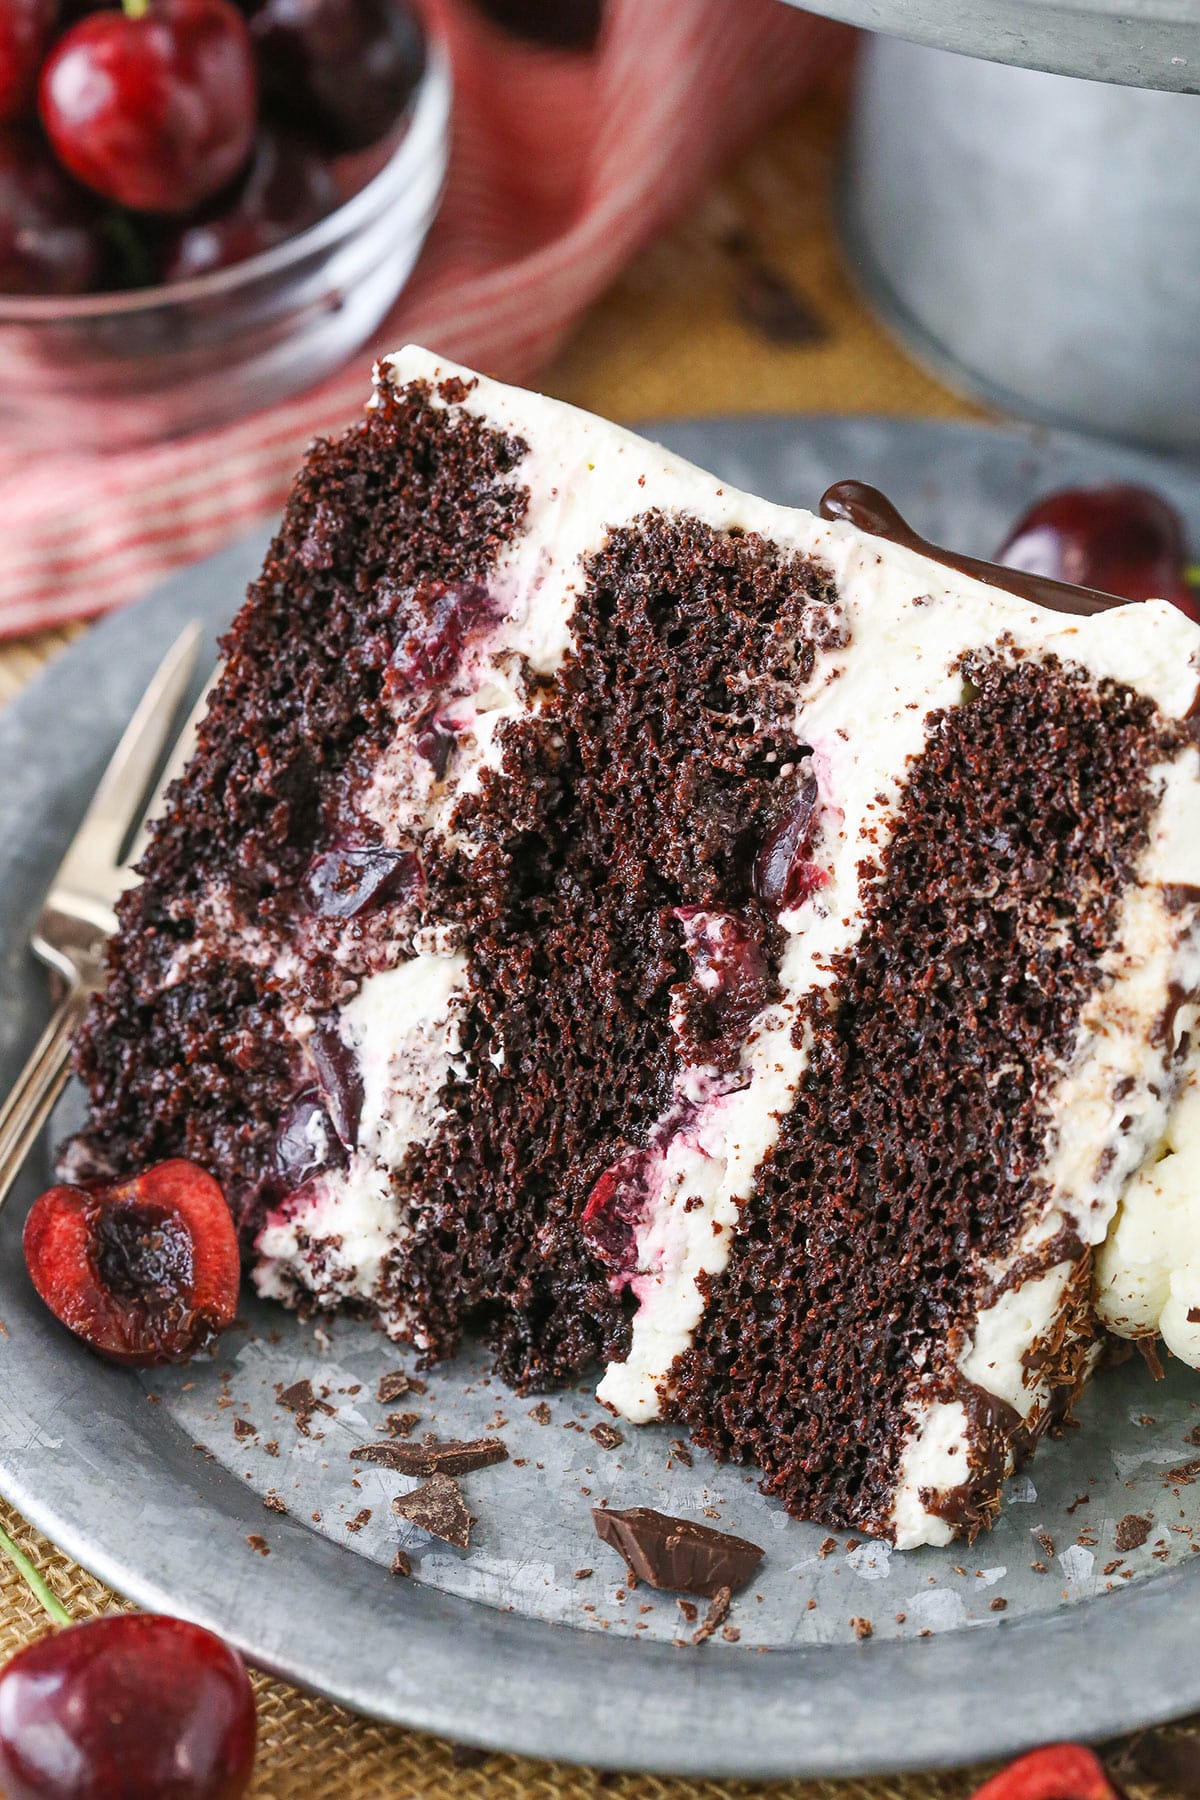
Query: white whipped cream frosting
{"points": [[865, 713]]}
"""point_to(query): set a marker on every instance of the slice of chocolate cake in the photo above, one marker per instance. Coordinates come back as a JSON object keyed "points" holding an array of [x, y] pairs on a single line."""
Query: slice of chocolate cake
{"points": [[653, 927]]}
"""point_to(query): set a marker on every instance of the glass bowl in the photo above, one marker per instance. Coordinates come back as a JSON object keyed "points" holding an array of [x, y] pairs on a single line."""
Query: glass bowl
{"points": [[111, 371]]}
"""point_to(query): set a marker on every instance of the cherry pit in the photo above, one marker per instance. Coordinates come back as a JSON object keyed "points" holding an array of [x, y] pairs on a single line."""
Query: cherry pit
{"points": [[158, 140]]}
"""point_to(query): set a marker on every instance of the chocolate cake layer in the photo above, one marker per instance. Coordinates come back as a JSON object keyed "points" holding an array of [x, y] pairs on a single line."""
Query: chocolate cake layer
{"points": [[650, 926]]}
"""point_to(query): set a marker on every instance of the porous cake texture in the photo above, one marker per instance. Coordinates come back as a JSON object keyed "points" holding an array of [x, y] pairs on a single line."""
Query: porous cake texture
{"points": [[660, 929]]}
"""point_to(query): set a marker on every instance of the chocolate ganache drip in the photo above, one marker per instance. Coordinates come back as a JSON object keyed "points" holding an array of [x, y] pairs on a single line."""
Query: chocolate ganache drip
{"points": [[868, 509]]}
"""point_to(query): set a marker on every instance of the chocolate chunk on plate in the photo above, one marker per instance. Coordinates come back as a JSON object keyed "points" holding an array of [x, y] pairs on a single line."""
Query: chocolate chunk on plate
{"points": [[454, 1456], [677, 1553], [438, 1508]]}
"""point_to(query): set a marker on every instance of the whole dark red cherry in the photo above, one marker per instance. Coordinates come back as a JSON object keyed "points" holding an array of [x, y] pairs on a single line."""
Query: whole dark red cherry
{"points": [[50, 238], [155, 107], [340, 71], [286, 189], [145, 1271], [1122, 539], [26, 27], [131, 1705]]}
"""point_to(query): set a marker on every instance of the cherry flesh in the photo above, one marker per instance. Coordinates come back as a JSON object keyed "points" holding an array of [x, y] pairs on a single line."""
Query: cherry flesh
{"points": [[1122, 539], [339, 1077], [351, 879], [50, 241], [132, 1704], [285, 190], [342, 71], [730, 978], [783, 876], [156, 112], [26, 27], [145, 1271], [307, 1141], [453, 612]]}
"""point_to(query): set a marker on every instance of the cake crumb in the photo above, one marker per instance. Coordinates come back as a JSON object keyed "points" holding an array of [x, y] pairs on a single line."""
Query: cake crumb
{"points": [[401, 1563], [540, 1414], [999, 1604], [862, 1629], [258, 1544]]}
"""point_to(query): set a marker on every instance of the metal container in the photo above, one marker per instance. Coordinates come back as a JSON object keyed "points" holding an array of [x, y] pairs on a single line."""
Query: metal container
{"points": [[1035, 237]]}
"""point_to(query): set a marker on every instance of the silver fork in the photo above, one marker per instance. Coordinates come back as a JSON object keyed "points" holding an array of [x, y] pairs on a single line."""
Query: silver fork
{"points": [[78, 915]]}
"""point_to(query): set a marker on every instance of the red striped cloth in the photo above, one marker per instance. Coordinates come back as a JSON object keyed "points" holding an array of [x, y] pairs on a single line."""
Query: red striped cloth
{"points": [[561, 168]]}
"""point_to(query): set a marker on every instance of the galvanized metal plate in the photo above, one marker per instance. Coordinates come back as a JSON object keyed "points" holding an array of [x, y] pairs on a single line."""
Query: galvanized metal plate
{"points": [[1139, 43], [158, 1483]]}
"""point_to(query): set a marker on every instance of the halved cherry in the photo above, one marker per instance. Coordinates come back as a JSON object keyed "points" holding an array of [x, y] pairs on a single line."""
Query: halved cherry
{"points": [[144, 1271]]}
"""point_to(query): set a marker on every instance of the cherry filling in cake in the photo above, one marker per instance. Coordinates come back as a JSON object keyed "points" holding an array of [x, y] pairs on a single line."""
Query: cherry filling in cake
{"points": [[655, 928]]}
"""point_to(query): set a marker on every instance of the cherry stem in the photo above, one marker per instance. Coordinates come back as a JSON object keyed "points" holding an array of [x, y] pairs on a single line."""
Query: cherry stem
{"points": [[33, 1581], [1192, 575], [135, 9]]}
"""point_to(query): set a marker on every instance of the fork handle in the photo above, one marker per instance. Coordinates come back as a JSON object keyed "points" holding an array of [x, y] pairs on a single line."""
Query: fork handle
{"points": [[38, 1086]]}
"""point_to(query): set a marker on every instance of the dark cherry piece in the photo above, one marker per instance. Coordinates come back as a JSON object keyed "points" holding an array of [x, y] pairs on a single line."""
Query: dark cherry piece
{"points": [[156, 108], [1126, 540], [145, 1271], [555, 24], [452, 612], [730, 976], [50, 240], [340, 71], [340, 1078], [350, 879], [783, 877], [285, 190], [307, 1141], [1056, 1772], [26, 28], [131, 1705]]}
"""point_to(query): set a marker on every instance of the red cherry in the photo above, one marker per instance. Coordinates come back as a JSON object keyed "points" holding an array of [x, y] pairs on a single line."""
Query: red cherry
{"points": [[285, 190], [133, 1704], [1121, 539], [146, 1271], [158, 111], [341, 71], [26, 27], [50, 238]]}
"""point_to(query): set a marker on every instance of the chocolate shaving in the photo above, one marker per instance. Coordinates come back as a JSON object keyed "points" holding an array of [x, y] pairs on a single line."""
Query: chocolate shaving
{"points": [[677, 1553], [438, 1508], [1185, 1473], [393, 1386], [400, 1424], [243, 1429], [300, 1400], [540, 1414], [1148, 1347], [453, 1457], [607, 1436], [1132, 1531], [716, 1615]]}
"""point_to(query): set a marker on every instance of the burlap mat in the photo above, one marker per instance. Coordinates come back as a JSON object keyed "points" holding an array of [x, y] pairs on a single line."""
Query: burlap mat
{"points": [[745, 307]]}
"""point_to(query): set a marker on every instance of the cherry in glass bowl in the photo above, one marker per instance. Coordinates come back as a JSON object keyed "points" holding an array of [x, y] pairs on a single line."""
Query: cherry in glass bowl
{"points": [[115, 370]]}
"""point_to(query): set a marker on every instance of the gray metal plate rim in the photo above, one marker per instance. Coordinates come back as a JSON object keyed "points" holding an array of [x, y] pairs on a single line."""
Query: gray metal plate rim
{"points": [[171, 1529]]}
